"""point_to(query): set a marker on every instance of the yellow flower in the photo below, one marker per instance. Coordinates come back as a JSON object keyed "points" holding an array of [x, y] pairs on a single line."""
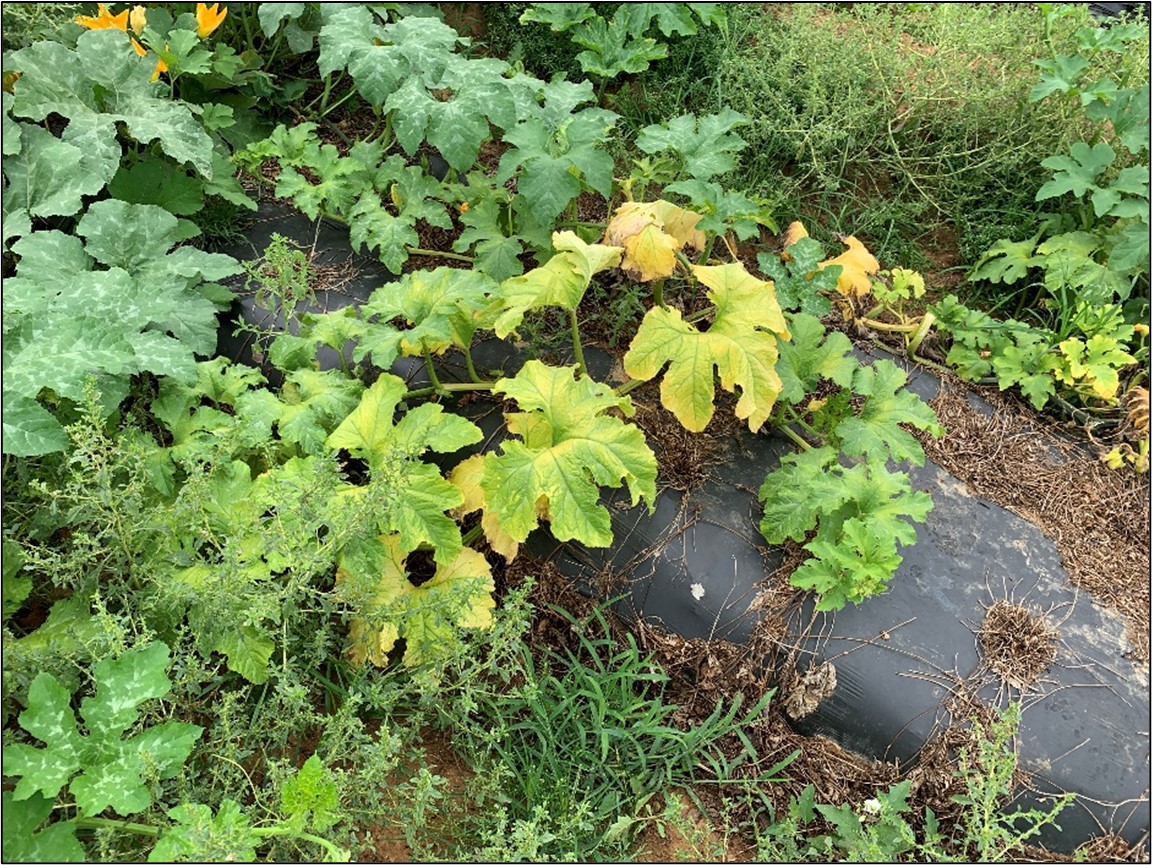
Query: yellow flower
{"points": [[139, 48], [138, 19], [8, 80], [104, 19], [1140, 328], [208, 18]]}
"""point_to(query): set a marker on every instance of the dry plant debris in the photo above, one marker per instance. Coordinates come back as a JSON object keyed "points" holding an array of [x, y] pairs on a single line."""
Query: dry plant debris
{"points": [[1016, 644]]}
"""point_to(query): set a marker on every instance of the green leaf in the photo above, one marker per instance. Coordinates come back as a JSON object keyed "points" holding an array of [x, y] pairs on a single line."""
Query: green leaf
{"points": [[811, 355], [49, 718], [1077, 172], [10, 136], [799, 281], [724, 209], [369, 431], [248, 653], [22, 843], [372, 225], [560, 282], [440, 307], [125, 683], [311, 791], [611, 49], [706, 145], [119, 234], [410, 497], [48, 177], [314, 403], [798, 492], [29, 428], [155, 181], [123, 80], [1007, 261], [15, 588], [199, 836], [851, 568], [876, 430], [569, 449], [859, 513], [558, 16], [740, 346], [1060, 74]]}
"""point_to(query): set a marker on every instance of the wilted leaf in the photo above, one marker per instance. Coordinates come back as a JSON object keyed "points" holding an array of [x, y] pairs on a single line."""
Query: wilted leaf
{"points": [[569, 449], [651, 234], [858, 265]]}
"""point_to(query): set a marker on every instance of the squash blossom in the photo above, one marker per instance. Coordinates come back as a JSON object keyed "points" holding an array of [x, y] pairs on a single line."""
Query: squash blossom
{"points": [[208, 18], [104, 19], [138, 19]]}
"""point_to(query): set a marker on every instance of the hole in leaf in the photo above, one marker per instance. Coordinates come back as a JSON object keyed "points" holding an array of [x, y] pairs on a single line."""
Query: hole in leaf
{"points": [[421, 567]]}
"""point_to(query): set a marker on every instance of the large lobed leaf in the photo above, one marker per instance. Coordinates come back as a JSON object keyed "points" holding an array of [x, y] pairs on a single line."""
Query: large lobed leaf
{"points": [[568, 449], [740, 346]]}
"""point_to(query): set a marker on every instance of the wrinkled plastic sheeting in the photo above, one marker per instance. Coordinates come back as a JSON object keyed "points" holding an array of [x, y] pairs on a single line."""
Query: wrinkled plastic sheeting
{"points": [[694, 567]]}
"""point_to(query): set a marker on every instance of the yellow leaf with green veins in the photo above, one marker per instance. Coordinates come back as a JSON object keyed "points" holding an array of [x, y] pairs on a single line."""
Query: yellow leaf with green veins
{"points": [[560, 282], [740, 346], [570, 450], [373, 577]]}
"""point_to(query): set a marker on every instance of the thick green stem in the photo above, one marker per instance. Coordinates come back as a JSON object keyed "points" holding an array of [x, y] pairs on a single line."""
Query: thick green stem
{"points": [[630, 386], [788, 431], [658, 293], [439, 253], [450, 387], [471, 535], [577, 348], [471, 366], [431, 368], [926, 323]]}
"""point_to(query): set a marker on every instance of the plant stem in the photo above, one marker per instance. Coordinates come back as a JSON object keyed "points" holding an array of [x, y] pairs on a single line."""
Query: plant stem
{"points": [[455, 256], [926, 322], [450, 387], [792, 434], [471, 367], [471, 535], [437, 388], [629, 386], [658, 293], [577, 348]]}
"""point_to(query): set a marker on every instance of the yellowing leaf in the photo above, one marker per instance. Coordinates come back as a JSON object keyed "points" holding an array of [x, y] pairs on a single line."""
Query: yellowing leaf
{"points": [[740, 345], [570, 450], [373, 577], [561, 282], [795, 231], [467, 477], [651, 234], [858, 264]]}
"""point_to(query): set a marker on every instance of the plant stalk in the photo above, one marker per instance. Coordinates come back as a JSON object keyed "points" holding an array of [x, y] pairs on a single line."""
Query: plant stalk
{"points": [[577, 348]]}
